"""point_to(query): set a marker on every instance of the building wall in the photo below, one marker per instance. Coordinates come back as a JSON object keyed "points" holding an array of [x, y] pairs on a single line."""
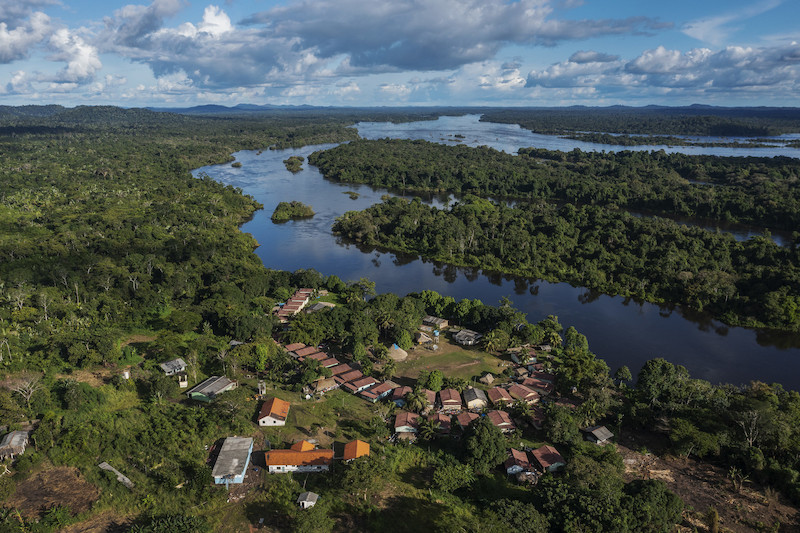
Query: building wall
{"points": [[269, 421], [282, 469]]}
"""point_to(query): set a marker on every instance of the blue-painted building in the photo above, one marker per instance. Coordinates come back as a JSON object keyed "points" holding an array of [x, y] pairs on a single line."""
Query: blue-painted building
{"points": [[233, 460]]}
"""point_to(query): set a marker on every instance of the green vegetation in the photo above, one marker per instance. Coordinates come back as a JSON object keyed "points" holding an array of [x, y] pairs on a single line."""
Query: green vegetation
{"points": [[759, 191], [153, 267], [291, 210], [694, 120], [352, 194], [751, 282], [294, 164], [652, 140]]}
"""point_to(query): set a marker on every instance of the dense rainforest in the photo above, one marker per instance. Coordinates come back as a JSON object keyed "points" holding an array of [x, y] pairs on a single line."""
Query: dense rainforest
{"points": [[759, 191], [115, 258], [653, 120], [654, 259]]}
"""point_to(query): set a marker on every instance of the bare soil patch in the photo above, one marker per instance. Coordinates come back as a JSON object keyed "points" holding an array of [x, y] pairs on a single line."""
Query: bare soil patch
{"points": [[702, 485], [53, 486], [105, 522]]}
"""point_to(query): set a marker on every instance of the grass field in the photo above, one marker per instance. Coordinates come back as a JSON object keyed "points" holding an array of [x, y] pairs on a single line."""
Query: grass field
{"points": [[452, 360]]}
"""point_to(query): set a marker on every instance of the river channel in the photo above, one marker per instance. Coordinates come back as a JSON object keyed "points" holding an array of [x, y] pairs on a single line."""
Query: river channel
{"points": [[620, 331]]}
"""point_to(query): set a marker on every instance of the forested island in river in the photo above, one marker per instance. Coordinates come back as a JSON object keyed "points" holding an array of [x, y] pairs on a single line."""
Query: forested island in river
{"points": [[145, 349]]}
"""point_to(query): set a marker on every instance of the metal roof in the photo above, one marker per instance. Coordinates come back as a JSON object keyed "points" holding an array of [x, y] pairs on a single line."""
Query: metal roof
{"points": [[233, 457]]}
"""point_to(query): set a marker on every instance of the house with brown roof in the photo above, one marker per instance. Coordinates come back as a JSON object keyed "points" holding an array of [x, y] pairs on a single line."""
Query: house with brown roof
{"points": [[355, 449], [294, 346], [379, 391], [353, 375], [330, 362], [341, 368], [544, 376], [399, 395], [305, 352], [358, 385], [499, 396], [450, 400], [501, 420], [517, 461], [430, 396], [273, 412], [443, 420], [301, 457], [548, 458], [465, 418], [542, 387], [318, 356], [406, 422], [523, 393]]}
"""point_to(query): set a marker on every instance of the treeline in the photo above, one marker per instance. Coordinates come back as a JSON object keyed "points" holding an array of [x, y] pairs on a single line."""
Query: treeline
{"points": [[759, 191], [748, 283], [652, 140], [694, 120]]}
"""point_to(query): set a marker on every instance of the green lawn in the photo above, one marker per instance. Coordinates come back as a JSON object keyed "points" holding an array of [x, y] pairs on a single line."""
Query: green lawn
{"points": [[451, 360]]}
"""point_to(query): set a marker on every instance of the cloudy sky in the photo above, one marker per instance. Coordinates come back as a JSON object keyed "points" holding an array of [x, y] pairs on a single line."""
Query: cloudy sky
{"points": [[400, 52]]}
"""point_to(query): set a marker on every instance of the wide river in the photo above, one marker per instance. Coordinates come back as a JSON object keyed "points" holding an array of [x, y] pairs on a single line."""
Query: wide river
{"points": [[620, 331]]}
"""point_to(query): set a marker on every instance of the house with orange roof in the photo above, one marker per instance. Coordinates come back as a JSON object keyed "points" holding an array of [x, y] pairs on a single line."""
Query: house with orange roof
{"points": [[301, 457], [282, 461], [273, 412], [355, 449]]}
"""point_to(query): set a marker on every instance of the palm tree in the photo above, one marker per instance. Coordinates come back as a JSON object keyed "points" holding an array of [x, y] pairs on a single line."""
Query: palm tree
{"points": [[428, 429], [417, 400]]}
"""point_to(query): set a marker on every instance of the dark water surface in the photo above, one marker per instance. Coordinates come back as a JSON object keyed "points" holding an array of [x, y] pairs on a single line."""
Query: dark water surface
{"points": [[622, 332]]}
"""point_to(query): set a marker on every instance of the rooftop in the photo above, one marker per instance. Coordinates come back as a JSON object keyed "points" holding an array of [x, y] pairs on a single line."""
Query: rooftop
{"points": [[233, 456]]}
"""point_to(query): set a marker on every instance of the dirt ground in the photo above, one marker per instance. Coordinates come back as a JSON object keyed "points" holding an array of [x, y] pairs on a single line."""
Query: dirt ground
{"points": [[701, 485], [105, 522], [54, 486]]}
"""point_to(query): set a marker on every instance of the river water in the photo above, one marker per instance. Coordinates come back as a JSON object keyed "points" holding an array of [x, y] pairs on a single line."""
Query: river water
{"points": [[620, 331]]}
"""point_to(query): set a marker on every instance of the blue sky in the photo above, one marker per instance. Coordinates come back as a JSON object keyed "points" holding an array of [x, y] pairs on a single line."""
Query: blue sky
{"points": [[400, 52]]}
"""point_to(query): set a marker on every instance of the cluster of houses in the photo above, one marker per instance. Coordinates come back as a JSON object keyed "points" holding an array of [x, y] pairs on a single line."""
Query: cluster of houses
{"points": [[294, 305], [343, 375], [531, 463], [448, 406], [303, 456]]}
